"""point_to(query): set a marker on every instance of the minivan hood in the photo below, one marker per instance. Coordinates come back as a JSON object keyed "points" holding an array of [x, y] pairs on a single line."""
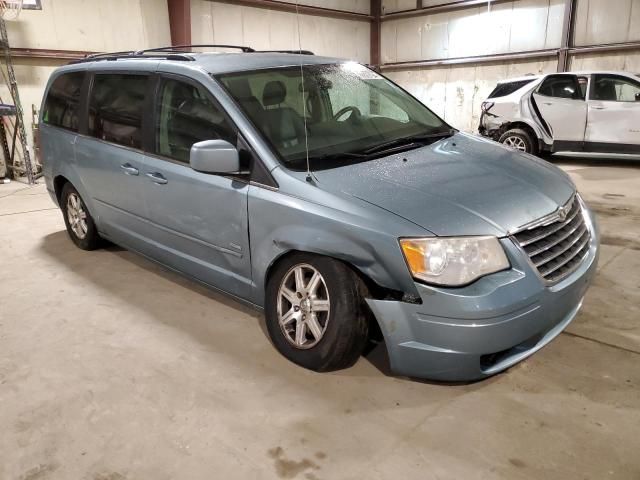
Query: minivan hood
{"points": [[462, 185]]}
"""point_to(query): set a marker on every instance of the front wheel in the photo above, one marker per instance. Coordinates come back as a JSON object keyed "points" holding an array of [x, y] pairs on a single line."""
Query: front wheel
{"points": [[313, 312], [521, 140]]}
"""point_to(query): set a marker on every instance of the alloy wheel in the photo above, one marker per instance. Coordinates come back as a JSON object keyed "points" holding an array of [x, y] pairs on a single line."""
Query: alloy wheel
{"points": [[516, 143], [77, 216], [303, 306]]}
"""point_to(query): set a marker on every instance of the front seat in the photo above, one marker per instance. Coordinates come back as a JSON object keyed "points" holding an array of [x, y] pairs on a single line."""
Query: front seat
{"points": [[606, 91], [284, 124], [241, 89]]}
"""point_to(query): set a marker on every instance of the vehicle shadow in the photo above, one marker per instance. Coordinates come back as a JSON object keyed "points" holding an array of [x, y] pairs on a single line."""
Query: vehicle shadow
{"points": [[142, 285]]}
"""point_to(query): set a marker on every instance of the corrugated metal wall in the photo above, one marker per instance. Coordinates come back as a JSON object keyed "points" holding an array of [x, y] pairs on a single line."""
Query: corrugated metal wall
{"points": [[506, 27], [214, 22], [456, 92], [606, 21]]}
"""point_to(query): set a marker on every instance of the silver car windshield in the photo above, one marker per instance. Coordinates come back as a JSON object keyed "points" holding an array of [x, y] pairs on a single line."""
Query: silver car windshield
{"points": [[352, 113]]}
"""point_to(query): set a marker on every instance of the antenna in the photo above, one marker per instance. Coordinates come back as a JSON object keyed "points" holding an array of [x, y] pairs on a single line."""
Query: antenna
{"points": [[304, 103]]}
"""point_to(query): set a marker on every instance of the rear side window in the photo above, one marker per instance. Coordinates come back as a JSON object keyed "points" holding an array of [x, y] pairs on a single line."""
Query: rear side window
{"points": [[504, 89], [62, 106], [561, 86], [116, 108]]}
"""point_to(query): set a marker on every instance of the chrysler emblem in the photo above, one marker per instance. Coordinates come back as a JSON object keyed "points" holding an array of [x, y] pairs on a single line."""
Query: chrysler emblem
{"points": [[562, 213]]}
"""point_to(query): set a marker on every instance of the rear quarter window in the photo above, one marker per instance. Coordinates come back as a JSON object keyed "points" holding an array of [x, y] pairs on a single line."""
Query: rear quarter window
{"points": [[62, 105], [504, 89]]}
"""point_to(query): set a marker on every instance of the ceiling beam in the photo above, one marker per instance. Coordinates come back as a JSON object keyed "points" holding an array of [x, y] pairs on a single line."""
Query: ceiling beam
{"points": [[49, 53], [604, 48], [442, 8], [180, 21], [303, 9], [499, 57]]}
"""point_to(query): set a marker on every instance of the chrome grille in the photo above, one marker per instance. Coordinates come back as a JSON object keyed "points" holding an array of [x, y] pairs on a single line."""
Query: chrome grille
{"points": [[557, 244]]}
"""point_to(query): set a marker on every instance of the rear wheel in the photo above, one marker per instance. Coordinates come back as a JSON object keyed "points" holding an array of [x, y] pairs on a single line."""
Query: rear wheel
{"points": [[313, 312], [80, 225], [521, 140]]}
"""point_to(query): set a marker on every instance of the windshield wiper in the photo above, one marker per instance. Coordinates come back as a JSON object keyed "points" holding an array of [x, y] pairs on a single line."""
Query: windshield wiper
{"points": [[408, 141]]}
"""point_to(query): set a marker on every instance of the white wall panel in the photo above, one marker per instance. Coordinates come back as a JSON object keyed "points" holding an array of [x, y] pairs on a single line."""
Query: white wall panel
{"points": [[92, 25], [214, 22], [356, 6], [456, 92], [607, 21], [506, 27], [623, 61], [390, 6]]}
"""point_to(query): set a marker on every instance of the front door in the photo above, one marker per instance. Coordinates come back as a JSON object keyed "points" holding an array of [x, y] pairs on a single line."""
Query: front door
{"points": [[613, 124], [110, 157], [562, 107], [200, 220]]}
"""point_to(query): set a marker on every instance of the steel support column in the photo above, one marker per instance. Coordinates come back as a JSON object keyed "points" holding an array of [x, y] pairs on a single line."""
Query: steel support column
{"points": [[376, 42], [180, 21], [567, 35]]}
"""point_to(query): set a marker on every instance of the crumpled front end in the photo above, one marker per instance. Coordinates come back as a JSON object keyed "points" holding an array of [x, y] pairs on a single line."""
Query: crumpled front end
{"points": [[468, 333]]}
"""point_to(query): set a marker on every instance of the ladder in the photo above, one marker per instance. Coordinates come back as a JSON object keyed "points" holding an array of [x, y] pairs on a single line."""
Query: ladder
{"points": [[19, 123]]}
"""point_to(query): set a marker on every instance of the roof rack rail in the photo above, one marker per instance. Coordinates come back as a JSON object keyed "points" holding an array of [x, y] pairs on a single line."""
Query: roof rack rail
{"points": [[297, 52], [178, 48], [133, 55]]}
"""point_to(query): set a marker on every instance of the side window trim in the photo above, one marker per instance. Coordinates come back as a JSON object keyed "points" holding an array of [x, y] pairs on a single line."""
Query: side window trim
{"points": [[47, 96], [90, 85], [153, 114], [597, 76], [576, 85], [155, 108]]}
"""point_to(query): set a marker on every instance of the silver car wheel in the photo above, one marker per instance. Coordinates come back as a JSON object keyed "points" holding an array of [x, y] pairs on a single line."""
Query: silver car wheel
{"points": [[516, 143], [303, 306], [77, 216]]}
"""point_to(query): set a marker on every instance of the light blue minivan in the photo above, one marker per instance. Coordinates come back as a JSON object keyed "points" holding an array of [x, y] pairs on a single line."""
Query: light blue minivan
{"points": [[318, 190]]}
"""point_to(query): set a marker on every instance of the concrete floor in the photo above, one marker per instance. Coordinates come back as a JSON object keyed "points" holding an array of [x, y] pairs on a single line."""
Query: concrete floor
{"points": [[112, 368]]}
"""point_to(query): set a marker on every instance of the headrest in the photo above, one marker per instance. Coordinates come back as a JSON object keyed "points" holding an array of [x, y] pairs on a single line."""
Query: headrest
{"points": [[240, 88], [606, 90], [274, 93]]}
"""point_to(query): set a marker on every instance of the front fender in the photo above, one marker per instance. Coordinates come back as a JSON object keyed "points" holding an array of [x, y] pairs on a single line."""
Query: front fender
{"points": [[364, 237]]}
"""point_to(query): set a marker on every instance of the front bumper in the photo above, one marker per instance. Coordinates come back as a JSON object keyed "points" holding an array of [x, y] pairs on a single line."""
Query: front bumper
{"points": [[464, 334]]}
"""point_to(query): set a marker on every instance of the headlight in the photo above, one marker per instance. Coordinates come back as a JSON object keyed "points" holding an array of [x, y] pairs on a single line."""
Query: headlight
{"points": [[453, 261]]}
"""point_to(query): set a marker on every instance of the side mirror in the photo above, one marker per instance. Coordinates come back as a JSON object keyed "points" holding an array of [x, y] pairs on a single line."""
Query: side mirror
{"points": [[214, 156], [637, 97]]}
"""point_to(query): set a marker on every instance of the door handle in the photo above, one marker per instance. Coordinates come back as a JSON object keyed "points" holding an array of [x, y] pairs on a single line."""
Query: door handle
{"points": [[157, 178], [598, 108], [547, 103], [129, 169]]}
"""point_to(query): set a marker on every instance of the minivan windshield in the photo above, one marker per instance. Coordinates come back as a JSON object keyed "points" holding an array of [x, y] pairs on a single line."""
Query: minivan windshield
{"points": [[352, 114]]}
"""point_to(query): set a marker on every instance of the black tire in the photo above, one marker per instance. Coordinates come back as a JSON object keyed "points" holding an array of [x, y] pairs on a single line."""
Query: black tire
{"points": [[91, 239], [530, 142], [346, 327]]}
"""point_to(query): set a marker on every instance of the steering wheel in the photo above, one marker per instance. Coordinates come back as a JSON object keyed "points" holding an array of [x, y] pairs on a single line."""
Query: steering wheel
{"points": [[355, 113]]}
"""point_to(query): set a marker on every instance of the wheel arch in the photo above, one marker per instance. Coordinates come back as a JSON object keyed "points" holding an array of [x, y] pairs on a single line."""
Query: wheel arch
{"points": [[527, 127], [367, 287], [58, 184]]}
